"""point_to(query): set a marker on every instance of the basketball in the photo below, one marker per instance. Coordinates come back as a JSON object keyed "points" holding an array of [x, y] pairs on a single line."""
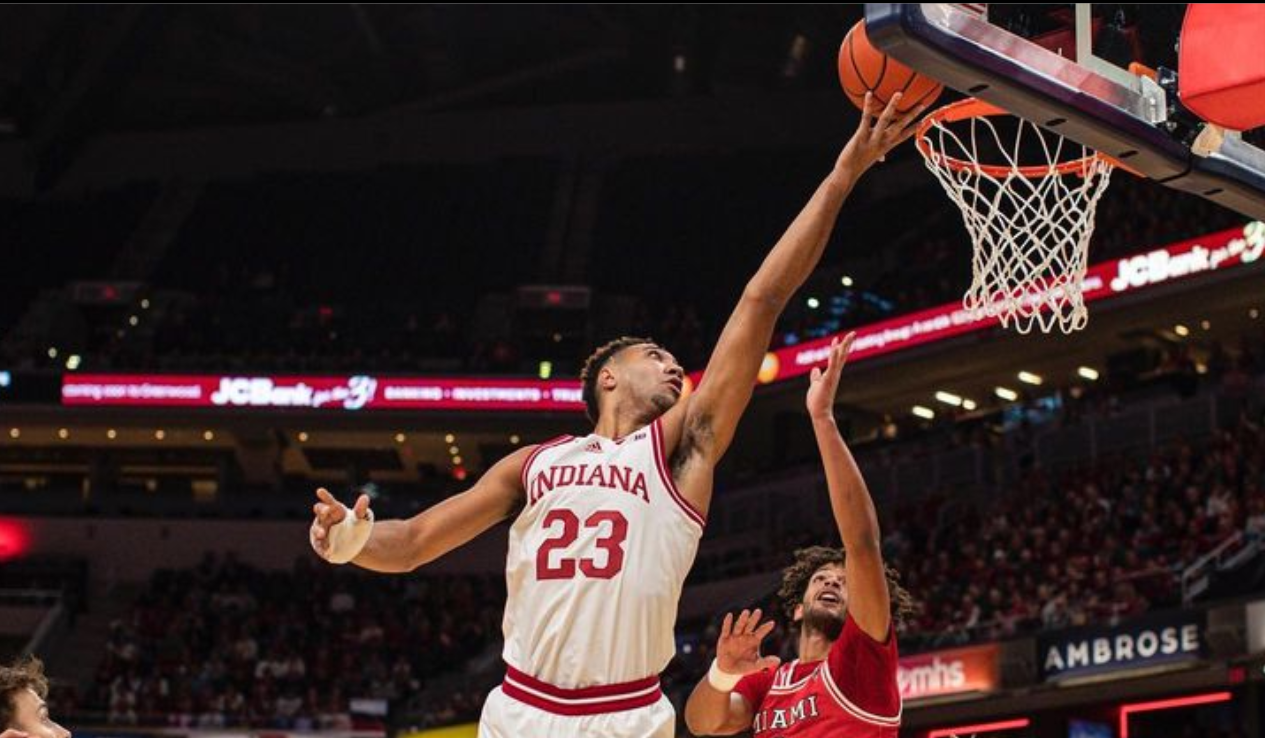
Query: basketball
{"points": [[864, 68]]}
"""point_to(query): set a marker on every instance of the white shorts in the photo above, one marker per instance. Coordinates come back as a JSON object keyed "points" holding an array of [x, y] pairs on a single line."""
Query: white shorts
{"points": [[505, 716]]}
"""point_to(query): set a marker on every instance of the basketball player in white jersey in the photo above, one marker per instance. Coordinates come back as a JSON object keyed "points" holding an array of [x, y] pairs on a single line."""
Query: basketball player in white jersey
{"points": [[606, 525]]}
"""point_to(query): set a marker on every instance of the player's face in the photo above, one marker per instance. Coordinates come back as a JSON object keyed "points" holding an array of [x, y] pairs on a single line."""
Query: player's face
{"points": [[826, 598], [651, 374], [30, 715]]}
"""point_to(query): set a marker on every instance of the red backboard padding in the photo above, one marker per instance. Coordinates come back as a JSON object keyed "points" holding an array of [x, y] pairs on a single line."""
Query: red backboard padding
{"points": [[1221, 63]]}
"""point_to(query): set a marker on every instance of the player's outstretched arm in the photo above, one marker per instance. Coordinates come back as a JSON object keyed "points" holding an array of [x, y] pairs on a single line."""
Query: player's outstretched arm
{"points": [[706, 423], [341, 535], [714, 708], [869, 602]]}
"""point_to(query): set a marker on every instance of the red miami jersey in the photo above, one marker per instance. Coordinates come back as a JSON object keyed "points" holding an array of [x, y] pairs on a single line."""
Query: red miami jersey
{"points": [[852, 694], [596, 563]]}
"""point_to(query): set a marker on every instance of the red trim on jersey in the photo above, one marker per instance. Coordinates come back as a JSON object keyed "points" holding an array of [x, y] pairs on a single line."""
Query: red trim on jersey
{"points": [[786, 683], [660, 461], [886, 721], [597, 700], [522, 476]]}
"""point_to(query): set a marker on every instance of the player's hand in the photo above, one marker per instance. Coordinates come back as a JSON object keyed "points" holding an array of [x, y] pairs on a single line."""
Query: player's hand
{"points": [[880, 131], [14, 733], [328, 513], [822, 386], [738, 649]]}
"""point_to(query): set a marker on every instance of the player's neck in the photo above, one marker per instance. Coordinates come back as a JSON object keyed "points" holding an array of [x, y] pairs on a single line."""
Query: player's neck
{"points": [[617, 422], [813, 645]]}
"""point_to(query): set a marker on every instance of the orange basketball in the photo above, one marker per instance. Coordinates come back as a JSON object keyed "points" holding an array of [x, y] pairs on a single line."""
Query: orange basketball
{"points": [[863, 67]]}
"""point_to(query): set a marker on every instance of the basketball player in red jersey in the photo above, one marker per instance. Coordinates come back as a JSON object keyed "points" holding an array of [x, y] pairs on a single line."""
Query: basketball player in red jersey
{"points": [[606, 526], [843, 685]]}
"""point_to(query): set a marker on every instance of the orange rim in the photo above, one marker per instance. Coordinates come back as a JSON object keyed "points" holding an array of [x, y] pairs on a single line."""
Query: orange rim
{"points": [[975, 108]]}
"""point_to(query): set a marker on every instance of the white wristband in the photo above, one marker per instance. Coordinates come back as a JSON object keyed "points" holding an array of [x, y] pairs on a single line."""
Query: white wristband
{"points": [[347, 537], [722, 680]]}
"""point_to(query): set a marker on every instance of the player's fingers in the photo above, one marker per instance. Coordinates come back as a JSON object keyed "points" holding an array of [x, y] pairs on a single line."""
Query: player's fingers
{"points": [[845, 348], [725, 627], [362, 507], [764, 630], [754, 621], [911, 118], [907, 130], [740, 625], [868, 112], [815, 375], [889, 112], [324, 496]]}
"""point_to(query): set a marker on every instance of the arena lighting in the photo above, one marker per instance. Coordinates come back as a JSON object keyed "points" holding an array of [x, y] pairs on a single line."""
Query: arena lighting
{"points": [[925, 413], [969, 405], [981, 728], [208, 436], [449, 438], [111, 434], [514, 439], [399, 438], [1181, 330], [15, 433], [1030, 378], [160, 434], [1171, 704], [15, 539], [949, 398], [1206, 325], [1089, 373], [813, 303], [846, 281], [1008, 395]]}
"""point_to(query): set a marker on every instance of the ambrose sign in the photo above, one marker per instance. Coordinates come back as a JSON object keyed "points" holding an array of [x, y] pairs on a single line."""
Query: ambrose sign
{"points": [[1161, 639]]}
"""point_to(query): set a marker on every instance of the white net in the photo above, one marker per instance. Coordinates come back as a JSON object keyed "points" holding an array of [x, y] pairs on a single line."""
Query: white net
{"points": [[1031, 224]]}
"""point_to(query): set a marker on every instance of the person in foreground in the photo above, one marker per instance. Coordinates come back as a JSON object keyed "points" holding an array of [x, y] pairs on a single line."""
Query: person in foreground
{"points": [[846, 602], [23, 711], [607, 525]]}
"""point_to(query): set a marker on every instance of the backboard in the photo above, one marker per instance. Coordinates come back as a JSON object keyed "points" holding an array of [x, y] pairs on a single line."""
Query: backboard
{"points": [[1050, 65]]}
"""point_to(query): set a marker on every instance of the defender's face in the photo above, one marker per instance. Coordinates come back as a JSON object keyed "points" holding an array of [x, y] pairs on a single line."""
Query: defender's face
{"points": [[30, 715], [826, 597], [649, 374]]}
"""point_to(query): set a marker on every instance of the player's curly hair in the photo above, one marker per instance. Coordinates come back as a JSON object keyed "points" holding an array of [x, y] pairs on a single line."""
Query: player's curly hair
{"points": [[593, 366], [23, 674], [795, 580]]}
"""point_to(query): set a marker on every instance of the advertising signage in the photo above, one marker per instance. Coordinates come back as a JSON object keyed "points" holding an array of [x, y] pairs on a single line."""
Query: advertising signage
{"points": [[1164, 638], [1214, 252], [941, 673], [356, 393]]}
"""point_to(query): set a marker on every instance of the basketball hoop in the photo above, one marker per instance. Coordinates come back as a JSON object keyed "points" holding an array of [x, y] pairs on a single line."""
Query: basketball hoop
{"points": [[1030, 223]]}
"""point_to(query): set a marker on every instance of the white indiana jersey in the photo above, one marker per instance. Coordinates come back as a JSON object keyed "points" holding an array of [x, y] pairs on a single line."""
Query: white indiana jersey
{"points": [[596, 562]]}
